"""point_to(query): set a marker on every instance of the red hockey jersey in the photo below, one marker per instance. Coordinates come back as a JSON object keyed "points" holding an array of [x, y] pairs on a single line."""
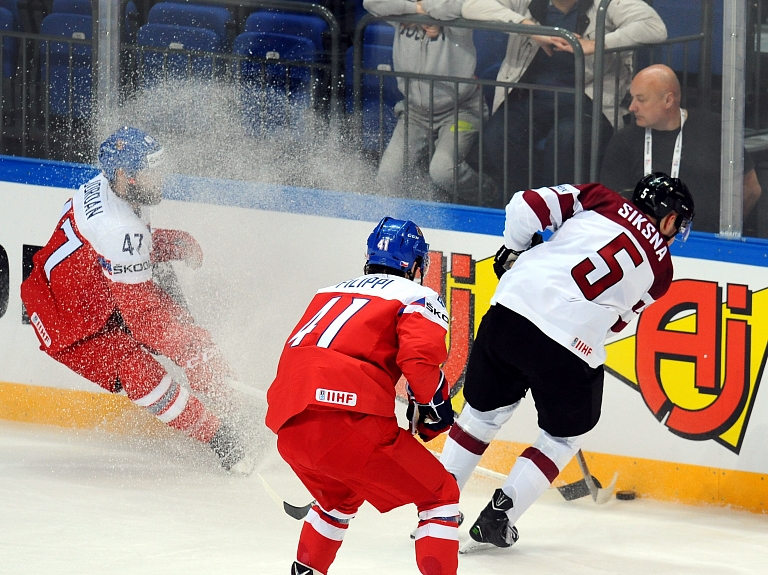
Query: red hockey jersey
{"points": [[98, 262], [604, 263], [352, 344]]}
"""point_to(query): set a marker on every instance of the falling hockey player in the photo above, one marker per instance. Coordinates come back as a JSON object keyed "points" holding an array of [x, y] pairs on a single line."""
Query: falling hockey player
{"points": [[545, 331], [94, 306], [332, 403]]}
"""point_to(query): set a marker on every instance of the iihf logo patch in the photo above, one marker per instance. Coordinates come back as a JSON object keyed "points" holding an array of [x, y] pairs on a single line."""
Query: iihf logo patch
{"points": [[337, 397], [581, 347]]}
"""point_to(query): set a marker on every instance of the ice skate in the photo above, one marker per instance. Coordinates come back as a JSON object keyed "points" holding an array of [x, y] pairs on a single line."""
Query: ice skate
{"points": [[232, 454], [301, 569], [492, 528]]}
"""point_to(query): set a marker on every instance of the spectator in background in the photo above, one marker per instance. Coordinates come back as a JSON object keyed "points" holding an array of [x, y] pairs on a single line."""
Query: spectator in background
{"points": [[661, 123], [549, 61], [441, 51]]}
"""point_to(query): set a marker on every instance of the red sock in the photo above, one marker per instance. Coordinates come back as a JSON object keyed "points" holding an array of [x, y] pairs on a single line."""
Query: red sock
{"points": [[320, 539], [435, 555]]}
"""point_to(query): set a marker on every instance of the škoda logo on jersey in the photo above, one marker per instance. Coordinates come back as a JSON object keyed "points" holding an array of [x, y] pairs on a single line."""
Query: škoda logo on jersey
{"points": [[696, 361]]}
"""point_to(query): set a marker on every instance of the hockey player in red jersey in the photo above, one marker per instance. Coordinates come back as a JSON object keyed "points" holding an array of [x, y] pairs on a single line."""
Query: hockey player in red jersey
{"points": [[332, 403], [94, 306], [545, 331]]}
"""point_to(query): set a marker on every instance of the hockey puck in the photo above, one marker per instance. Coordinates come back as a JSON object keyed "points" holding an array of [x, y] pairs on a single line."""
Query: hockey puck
{"points": [[625, 495]]}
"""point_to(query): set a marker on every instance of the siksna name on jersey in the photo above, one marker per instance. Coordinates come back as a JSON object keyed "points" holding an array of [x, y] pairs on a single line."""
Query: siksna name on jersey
{"points": [[646, 228]]}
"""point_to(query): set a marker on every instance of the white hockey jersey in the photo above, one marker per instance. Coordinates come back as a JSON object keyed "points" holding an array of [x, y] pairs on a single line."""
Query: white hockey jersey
{"points": [[604, 263]]}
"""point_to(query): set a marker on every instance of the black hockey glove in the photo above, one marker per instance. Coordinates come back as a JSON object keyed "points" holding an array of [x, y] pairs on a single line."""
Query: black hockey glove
{"points": [[505, 257], [431, 419]]}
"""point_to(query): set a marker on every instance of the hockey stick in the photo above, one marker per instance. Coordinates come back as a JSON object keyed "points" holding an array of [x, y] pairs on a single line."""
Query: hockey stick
{"points": [[598, 494], [290, 510], [246, 389]]}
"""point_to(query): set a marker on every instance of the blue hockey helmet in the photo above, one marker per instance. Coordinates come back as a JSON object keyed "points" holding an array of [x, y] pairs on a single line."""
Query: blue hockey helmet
{"points": [[132, 150], [398, 244]]}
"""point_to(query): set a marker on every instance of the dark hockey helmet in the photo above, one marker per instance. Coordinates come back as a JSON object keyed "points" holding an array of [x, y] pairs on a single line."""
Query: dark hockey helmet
{"points": [[657, 194], [397, 244], [132, 150]]}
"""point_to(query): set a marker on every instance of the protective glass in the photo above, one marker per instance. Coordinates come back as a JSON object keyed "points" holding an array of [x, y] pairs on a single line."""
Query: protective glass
{"points": [[684, 229]]}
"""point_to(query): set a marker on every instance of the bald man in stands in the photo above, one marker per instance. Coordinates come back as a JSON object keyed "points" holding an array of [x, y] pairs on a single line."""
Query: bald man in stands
{"points": [[689, 139]]}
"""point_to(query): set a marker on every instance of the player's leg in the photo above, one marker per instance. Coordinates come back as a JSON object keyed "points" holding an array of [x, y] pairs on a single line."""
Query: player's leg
{"points": [[113, 360], [567, 393], [493, 389], [373, 459], [324, 528], [398, 471], [469, 437]]}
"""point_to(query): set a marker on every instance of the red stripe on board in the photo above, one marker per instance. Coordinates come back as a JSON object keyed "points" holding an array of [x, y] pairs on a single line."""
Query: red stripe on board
{"points": [[544, 463], [468, 442]]}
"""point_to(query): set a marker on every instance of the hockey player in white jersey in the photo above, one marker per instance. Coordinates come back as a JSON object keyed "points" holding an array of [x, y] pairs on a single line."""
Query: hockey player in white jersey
{"points": [[606, 261]]}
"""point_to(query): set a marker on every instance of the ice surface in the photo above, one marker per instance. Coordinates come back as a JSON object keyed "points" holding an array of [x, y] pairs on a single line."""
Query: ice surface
{"points": [[89, 502]]}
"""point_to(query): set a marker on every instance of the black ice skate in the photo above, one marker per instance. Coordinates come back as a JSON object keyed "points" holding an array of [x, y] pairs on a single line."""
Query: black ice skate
{"points": [[232, 454], [301, 569], [493, 524]]}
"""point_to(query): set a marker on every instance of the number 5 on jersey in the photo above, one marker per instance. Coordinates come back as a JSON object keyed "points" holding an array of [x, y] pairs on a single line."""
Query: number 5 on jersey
{"points": [[330, 332]]}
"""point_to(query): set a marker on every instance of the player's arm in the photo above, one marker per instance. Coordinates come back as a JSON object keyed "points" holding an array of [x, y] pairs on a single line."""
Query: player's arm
{"points": [[176, 245], [160, 324], [421, 334]]}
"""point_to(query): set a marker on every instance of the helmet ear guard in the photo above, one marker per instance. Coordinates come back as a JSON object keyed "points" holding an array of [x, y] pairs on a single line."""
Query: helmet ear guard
{"points": [[657, 195], [398, 245]]}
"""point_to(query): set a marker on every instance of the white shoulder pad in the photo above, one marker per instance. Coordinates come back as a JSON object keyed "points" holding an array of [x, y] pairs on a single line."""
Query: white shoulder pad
{"points": [[122, 241]]}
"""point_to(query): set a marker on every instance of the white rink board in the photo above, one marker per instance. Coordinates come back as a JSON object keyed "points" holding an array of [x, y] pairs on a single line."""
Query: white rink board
{"points": [[262, 267]]}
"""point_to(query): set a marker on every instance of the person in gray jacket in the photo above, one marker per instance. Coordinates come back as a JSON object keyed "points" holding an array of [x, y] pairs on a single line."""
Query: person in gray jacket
{"points": [[548, 61], [431, 114]]}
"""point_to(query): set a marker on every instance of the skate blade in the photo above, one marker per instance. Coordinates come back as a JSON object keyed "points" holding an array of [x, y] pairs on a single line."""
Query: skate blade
{"points": [[473, 546]]}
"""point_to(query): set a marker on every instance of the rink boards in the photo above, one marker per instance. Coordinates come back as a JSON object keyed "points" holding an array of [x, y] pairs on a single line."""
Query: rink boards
{"points": [[684, 417]]}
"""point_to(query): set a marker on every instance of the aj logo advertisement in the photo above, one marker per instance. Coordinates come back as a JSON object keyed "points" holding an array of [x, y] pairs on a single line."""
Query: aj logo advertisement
{"points": [[696, 357]]}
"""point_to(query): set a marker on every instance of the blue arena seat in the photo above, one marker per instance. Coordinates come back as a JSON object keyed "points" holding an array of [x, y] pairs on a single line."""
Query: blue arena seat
{"points": [[684, 19], [131, 22], [13, 7], [83, 7], [10, 45], [379, 34], [491, 48], [215, 18], [275, 95], [302, 26], [157, 65], [57, 53], [377, 58]]}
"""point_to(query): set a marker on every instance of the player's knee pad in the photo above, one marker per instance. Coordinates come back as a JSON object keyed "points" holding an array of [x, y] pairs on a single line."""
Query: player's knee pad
{"points": [[559, 450], [484, 425]]}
